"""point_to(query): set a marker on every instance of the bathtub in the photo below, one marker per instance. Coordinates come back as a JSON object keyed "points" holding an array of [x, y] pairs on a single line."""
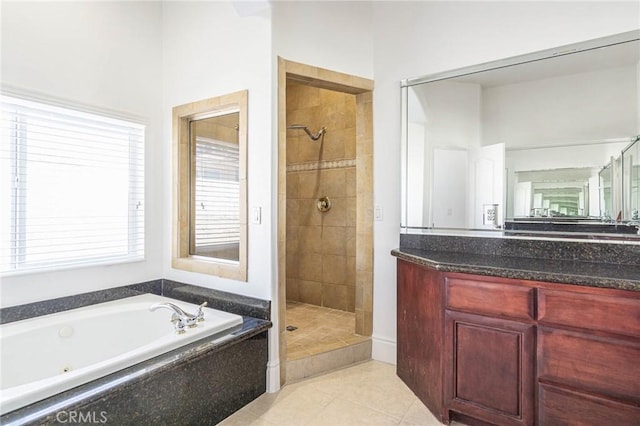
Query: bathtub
{"points": [[46, 355]]}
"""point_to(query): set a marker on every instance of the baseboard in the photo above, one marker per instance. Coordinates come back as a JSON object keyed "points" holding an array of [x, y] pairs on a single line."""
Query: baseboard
{"points": [[273, 377], [383, 350]]}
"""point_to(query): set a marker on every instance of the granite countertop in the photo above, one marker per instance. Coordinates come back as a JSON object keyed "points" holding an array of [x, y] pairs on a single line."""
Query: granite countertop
{"points": [[576, 272]]}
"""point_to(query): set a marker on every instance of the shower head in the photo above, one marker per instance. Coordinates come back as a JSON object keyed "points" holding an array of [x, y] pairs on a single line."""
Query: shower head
{"points": [[306, 129]]}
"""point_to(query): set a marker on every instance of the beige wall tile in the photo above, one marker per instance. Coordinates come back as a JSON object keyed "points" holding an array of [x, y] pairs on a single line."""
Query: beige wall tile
{"points": [[310, 292], [350, 278], [293, 213], [351, 299], [332, 148], [293, 289], [292, 185], [334, 296], [309, 214], [334, 269], [308, 184], [310, 239], [337, 216], [308, 149], [292, 233], [351, 212], [334, 240], [333, 183], [350, 232], [292, 262], [310, 267]]}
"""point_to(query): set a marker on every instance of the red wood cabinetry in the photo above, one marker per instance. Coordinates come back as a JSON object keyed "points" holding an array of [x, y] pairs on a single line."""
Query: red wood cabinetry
{"points": [[489, 368], [420, 334], [490, 350], [588, 347]]}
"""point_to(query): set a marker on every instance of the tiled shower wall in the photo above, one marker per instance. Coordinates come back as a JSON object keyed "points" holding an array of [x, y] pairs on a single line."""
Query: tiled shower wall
{"points": [[321, 247]]}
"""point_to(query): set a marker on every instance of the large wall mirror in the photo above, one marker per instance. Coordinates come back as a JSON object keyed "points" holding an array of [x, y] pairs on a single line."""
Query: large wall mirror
{"points": [[210, 226], [540, 143]]}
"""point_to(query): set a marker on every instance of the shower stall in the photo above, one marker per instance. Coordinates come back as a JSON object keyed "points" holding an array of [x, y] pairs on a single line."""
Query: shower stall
{"points": [[325, 228], [321, 219]]}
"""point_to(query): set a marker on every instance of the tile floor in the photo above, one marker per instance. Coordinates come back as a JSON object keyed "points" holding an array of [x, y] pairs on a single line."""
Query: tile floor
{"points": [[318, 330], [369, 393]]}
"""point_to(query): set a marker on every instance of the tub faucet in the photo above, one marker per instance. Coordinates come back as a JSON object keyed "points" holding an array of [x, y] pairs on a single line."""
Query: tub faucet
{"points": [[179, 318]]}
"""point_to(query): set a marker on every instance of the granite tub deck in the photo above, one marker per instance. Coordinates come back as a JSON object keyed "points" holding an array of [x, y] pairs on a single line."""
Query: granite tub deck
{"points": [[200, 383], [602, 265]]}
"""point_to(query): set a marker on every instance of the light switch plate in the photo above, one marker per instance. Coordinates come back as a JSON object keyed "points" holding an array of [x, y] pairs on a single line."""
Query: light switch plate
{"points": [[256, 215], [377, 213]]}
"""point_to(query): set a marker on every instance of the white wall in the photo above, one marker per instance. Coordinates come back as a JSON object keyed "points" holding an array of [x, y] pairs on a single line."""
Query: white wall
{"points": [[209, 49], [579, 107], [336, 35], [419, 38], [106, 55], [450, 207]]}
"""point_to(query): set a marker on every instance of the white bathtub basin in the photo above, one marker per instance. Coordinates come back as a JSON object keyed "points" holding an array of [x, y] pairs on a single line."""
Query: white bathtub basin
{"points": [[43, 356]]}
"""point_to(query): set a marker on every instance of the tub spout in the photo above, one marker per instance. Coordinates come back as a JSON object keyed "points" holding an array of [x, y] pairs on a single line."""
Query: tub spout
{"points": [[179, 318]]}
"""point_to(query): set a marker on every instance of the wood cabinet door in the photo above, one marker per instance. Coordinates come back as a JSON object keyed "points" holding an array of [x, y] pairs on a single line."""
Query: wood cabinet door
{"points": [[489, 368]]}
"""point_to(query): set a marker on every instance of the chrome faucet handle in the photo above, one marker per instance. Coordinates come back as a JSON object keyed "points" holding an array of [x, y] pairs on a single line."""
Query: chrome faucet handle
{"points": [[179, 325], [200, 314], [179, 317]]}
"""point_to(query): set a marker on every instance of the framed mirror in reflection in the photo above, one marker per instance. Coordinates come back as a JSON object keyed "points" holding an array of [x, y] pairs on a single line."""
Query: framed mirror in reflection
{"points": [[535, 143]]}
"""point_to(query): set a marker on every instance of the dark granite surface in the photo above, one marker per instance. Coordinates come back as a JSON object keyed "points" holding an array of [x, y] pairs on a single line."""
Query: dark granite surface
{"points": [[229, 302], [597, 265], [613, 253], [107, 389], [232, 375], [51, 306], [623, 277]]}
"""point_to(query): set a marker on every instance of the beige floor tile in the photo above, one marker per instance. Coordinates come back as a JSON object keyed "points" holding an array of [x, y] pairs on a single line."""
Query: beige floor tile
{"points": [[379, 390], [419, 415], [340, 412], [368, 393], [294, 405], [319, 330]]}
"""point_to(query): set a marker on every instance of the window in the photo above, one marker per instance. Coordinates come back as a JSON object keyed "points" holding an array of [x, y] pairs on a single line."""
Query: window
{"points": [[72, 187]]}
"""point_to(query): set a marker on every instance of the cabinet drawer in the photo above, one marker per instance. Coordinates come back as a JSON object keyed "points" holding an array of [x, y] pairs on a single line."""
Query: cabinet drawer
{"points": [[598, 365], [613, 314], [563, 407], [503, 300]]}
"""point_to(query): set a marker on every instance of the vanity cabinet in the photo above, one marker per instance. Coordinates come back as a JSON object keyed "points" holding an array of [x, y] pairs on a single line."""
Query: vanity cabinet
{"points": [[588, 347], [489, 350]]}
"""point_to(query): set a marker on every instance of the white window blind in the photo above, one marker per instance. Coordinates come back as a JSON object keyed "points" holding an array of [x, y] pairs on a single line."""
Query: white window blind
{"points": [[217, 193], [72, 187]]}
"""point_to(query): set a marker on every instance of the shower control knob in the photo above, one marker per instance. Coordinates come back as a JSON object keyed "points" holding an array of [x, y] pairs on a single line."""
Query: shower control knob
{"points": [[323, 204]]}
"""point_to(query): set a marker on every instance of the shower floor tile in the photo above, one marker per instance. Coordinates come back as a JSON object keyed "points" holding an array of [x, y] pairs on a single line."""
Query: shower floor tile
{"points": [[318, 330]]}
